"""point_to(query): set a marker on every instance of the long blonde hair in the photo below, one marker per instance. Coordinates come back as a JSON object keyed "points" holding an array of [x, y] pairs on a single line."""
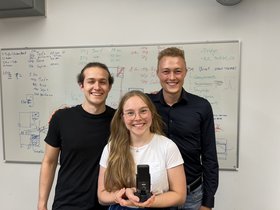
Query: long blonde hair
{"points": [[120, 172]]}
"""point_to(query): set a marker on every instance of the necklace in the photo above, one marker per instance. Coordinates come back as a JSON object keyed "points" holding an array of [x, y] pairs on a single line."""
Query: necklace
{"points": [[136, 149], [143, 145]]}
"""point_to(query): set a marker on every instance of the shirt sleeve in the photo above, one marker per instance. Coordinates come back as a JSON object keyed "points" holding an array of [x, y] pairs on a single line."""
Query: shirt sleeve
{"points": [[53, 136], [104, 157], [209, 159]]}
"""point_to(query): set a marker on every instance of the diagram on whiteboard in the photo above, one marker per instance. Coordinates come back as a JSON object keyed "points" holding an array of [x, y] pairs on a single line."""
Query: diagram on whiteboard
{"points": [[30, 131]]}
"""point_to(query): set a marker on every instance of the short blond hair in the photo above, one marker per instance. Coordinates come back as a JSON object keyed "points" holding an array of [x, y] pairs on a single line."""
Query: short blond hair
{"points": [[172, 52]]}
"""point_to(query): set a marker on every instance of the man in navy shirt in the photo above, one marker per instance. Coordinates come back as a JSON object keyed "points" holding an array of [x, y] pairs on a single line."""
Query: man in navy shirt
{"points": [[190, 124]]}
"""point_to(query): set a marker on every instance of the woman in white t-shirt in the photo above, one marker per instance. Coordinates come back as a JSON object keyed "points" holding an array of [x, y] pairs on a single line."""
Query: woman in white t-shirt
{"points": [[137, 139]]}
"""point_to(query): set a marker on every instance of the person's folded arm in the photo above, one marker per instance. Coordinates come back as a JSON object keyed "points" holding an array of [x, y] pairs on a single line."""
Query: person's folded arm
{"points": [[109, 198]]}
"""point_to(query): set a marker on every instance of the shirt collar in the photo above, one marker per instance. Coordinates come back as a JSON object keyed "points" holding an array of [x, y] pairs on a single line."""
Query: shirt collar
{"points": [[183, 98]]}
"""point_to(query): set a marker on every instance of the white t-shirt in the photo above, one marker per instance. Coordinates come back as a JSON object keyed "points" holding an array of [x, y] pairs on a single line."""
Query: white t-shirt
{"points": [[160, 154]]}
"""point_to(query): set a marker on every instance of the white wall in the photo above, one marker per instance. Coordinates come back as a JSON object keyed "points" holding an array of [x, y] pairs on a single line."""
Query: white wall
{"points": [[255, 23]]}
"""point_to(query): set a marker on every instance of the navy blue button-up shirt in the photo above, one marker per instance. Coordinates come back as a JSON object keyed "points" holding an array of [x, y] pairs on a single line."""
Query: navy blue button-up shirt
{"points": [[190, 124]]}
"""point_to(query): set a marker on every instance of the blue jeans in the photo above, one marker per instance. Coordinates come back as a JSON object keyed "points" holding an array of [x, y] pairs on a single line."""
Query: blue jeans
{"points": [[118, 207], [194, 200]]}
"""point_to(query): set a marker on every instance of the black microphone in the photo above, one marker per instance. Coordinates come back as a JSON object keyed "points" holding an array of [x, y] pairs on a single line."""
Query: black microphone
{"points": [[143, 183]]}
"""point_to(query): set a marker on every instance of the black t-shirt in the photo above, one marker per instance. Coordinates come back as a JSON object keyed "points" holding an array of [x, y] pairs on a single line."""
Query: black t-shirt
{"points": [[81, 137]]}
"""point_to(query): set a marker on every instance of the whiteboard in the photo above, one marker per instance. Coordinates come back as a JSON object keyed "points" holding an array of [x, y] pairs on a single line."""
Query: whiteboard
{"points": [[38, 81]]}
